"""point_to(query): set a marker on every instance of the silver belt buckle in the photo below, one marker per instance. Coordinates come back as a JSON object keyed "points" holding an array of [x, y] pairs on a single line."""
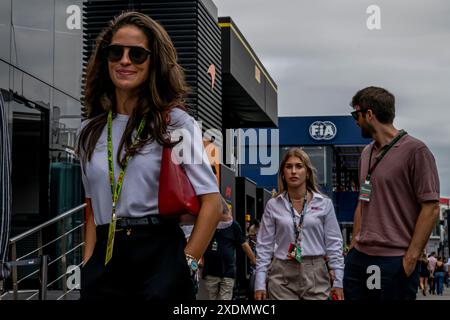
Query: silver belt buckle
{"points": [[154, 220]]}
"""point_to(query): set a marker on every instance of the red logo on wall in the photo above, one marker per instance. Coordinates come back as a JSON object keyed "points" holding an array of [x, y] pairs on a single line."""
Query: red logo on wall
{"points": [[228, 193], [212, 73]]}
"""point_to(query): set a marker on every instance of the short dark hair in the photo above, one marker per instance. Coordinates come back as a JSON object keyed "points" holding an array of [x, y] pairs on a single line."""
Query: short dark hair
{"points": [[379, 100]]}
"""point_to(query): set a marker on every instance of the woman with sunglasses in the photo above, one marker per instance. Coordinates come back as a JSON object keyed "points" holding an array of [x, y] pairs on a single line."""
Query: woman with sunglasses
{"points": [[133, 102], [298, 230]]}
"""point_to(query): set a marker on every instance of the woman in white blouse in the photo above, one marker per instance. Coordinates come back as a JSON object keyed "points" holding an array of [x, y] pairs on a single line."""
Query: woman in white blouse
{"points": [[298, 229]]}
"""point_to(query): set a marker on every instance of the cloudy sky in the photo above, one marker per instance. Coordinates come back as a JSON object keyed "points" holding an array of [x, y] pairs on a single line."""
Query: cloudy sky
{"points": [[321, 52]]}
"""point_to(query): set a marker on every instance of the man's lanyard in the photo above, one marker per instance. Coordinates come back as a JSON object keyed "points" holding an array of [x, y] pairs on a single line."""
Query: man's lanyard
{"points": [[116, 188], [298, 227], [382, 154]]}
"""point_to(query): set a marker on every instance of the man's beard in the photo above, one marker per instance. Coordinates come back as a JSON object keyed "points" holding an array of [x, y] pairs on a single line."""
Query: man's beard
{"points": [[366, 131]]}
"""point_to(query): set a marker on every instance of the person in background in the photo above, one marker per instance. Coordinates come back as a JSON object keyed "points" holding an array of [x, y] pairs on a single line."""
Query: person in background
{"points": [[424, 273], [247, 224], [447, 273], [439, 276], [252, 234], [252, 240], [298, 229], [219, 261], [431, 266]]}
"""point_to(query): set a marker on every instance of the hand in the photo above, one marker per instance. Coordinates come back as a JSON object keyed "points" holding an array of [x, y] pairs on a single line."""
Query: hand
{"points": [[409, 265], [350, 247], [332, 276], [260, 295], [339, 292]]}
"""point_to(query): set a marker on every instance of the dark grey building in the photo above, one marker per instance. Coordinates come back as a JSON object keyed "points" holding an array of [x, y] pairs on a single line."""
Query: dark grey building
{"points": [[40, 80]]}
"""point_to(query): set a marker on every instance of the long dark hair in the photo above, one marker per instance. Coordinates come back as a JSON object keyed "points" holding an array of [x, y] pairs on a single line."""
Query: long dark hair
{"points": [[311, 181], [164, 89]]}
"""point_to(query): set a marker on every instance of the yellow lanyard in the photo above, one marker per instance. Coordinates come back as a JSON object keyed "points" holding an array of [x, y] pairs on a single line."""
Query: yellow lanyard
{"points": [[116, 188]]}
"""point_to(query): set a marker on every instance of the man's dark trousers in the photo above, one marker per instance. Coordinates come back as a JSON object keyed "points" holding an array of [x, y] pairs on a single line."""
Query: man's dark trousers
{"points": [[360, 282]]}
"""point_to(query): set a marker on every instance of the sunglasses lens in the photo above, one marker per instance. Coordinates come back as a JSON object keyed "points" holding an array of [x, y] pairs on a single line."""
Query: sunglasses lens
{"points": [[114, 53], [355, 114], [138, 55]]}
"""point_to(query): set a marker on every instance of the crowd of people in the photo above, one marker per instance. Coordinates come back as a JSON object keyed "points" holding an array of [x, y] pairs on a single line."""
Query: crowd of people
{"points": [[434, 274], [134, 102]]}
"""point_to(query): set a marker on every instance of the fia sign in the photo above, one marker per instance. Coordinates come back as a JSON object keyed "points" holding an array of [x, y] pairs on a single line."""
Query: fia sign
{"points": [[322, 130]]}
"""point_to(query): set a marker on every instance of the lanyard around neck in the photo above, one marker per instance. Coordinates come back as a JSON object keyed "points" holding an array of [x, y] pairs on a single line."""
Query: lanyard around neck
{"points": [[116, 188], [383, 153], [298, 227]]}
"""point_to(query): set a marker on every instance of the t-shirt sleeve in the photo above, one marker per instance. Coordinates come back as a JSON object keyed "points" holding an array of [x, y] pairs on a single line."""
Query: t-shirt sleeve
{"points": [[425, 176], [87, 190], [191, 152]]}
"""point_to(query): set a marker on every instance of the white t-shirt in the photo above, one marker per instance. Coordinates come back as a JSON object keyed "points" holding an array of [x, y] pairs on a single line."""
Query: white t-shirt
{"points": [[139, 196]]}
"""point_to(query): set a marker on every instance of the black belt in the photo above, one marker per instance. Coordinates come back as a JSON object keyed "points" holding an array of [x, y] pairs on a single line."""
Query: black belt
{"points": [[123, 222]]}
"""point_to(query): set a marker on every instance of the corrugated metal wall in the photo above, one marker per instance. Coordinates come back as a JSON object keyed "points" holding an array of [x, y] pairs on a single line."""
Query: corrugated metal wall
{"points": [[196, 37]]}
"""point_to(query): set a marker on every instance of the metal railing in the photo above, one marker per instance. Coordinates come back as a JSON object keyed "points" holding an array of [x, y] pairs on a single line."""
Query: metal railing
{"points": [[43, 260]]}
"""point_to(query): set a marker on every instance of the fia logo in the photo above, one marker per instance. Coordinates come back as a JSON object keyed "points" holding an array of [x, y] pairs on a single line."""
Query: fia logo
{"points": [[322, 130]]}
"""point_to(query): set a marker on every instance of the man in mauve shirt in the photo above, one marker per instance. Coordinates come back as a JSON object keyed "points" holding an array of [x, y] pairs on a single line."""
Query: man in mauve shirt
{"points": [[397, 208]]}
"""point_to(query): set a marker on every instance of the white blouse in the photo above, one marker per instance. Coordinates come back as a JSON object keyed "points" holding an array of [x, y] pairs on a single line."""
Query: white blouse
{"points": [[321, 235]]}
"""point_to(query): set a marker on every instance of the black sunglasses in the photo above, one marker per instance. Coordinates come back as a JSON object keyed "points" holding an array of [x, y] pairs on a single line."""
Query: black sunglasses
{"points": [[355, 114], [137, 55]]}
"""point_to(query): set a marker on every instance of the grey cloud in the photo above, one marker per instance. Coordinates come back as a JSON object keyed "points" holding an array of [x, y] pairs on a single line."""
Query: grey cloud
{"points": [[320, 53]]}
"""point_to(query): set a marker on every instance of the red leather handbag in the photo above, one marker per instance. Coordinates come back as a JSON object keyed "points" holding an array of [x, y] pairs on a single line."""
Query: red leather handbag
{"points": [[176, 195]]}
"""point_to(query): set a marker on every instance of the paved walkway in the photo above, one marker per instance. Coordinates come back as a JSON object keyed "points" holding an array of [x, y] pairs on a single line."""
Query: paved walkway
{"points": [[445, 296]]}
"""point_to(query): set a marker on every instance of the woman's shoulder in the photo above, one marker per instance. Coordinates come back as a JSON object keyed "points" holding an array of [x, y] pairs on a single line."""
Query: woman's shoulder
{"points": [[322, 200], [319, 196], [179, 117], [276, 200]]}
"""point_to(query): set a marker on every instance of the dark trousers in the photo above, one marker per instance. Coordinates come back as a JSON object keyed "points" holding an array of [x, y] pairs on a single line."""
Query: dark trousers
{"points": [[359, 278], [147, 264], [439, 280], [432, 282]]}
